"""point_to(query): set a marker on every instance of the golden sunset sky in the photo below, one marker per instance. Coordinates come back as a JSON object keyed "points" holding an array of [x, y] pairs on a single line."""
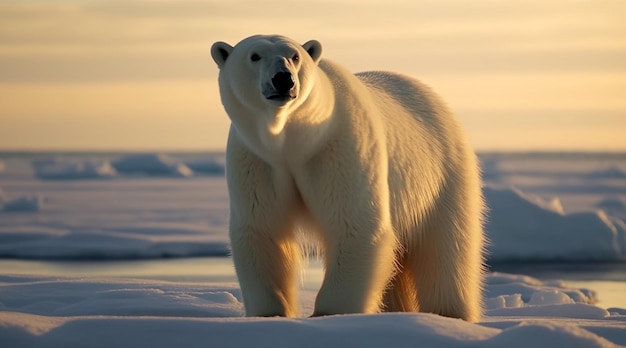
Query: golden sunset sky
{"points": [[138, 75]]}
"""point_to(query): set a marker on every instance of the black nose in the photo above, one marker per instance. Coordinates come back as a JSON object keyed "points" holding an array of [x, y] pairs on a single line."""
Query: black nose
{"points": [[283, 81]]}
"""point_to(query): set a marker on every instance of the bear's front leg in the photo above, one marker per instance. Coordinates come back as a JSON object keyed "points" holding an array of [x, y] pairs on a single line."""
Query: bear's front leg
{"points": [[265, 253], [266, 270], [349, 199], [358, 269]]}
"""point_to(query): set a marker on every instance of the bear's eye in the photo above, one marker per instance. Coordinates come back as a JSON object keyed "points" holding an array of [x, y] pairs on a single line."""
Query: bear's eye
{"points": [[295, 57], [255, 57]]}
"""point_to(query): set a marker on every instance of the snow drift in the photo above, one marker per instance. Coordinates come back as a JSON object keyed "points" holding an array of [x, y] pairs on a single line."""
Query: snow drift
{"points": [[525, 227], [151, 165], [207, 166], [520, 227], [80, 312], [56, 169], [94, 215], [24, 204], [136, 165], [120, 243], [613, 205], [611, 172]]}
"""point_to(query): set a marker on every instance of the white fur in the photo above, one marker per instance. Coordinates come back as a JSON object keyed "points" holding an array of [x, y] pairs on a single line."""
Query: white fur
{"points": [[378, 166]]}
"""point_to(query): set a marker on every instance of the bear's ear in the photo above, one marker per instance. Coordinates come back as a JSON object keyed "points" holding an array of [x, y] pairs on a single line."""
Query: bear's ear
{"points": [[220, 52], [314, 48]]}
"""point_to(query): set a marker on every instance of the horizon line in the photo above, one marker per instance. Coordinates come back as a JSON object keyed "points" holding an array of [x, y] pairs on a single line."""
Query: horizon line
{"points": [[223, 150]]}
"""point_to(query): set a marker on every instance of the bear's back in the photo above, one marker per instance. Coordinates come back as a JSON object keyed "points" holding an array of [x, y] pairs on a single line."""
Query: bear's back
{"points": [[417, 98], [424, 142]]}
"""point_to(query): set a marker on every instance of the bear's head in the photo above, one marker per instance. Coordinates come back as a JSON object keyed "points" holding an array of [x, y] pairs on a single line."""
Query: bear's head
{"points": [[265, 75]]}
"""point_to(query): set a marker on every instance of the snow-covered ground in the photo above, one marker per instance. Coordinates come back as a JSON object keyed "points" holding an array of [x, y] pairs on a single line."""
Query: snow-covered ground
{"points": [[114, 206], [105, 312], [143, 206], [542, 208]]}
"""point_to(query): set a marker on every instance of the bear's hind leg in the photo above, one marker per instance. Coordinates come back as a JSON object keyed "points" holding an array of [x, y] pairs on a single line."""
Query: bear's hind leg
{"points": [[448, 270], [400, 295]]}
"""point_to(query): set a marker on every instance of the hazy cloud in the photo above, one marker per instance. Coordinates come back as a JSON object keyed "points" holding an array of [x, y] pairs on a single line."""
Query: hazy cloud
{"points": [[121, 40], [515, 59]]}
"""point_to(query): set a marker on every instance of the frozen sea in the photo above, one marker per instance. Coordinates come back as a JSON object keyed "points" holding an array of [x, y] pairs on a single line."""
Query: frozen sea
{"points": [[133, 243]]}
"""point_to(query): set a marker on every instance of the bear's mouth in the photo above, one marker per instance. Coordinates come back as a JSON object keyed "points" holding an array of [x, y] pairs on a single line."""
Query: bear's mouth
{"points": [[281, 97]]}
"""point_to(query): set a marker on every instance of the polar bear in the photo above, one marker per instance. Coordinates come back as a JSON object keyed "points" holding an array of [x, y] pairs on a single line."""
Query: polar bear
{"points": [[373, 165]]}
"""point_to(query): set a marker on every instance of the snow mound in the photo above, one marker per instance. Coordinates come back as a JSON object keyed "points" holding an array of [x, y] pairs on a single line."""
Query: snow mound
{"points": [[136, 165], [151, 165], [54, 169], [25, 204], [363, 331], [490, 168], [76, 296], [526, 296], [611, 203], [523, 227], [207, 166], [613, 172], [119, 297], [78, 312], [149, 242]]}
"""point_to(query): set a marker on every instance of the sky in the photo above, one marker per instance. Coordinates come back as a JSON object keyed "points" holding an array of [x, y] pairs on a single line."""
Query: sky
{"points": [[137, 75]]}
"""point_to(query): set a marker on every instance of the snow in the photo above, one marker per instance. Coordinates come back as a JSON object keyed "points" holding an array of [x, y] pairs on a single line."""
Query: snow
{"points": [[524, 288], [546, 232], [613, 172], [611, 203], [135, 165], [207, 166], [105, 312], [55, 169], [24, 204], [32, 242], [151, 164], [57, 207], [131, 218], [142, 213]]}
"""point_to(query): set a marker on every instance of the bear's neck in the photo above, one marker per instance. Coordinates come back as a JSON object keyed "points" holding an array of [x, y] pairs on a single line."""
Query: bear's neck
{"points": [[296, 132]]}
